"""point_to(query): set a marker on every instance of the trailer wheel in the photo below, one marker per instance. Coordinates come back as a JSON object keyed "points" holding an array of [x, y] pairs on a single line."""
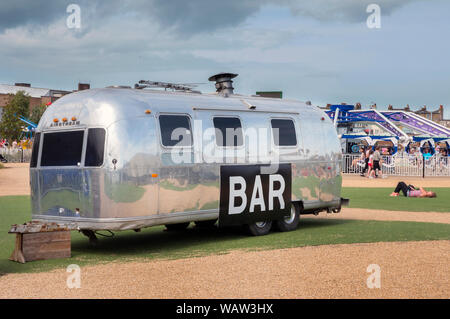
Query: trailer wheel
{"points": [[175, 227], [290, 222], [205, 223], [259, 228]]}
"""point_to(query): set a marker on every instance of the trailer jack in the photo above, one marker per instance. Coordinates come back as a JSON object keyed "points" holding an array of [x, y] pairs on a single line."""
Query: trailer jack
{"points": [[93, 240]]}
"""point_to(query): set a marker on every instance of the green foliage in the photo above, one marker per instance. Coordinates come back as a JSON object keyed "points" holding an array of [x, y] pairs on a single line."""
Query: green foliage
{"points": [[378, 198], [37, 113], [10, 125], [154, 243]]}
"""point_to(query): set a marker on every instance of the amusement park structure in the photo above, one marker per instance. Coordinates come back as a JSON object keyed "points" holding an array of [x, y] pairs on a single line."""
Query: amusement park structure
{"points": [[399, 127]]}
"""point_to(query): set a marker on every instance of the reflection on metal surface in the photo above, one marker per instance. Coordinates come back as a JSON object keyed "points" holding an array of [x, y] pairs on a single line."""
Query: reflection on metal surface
{"points": [[141, 183]]}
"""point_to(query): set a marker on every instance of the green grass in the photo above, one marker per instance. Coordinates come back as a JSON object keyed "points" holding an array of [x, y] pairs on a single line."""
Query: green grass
{"points": [[154, 243], [378, 198]]}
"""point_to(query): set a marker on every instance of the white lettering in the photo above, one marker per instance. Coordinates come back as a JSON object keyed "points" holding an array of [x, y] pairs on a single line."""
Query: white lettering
{"points": [[74, 19], [234, 180], [374, 20], [374, 280], [276, 193], [257, 190], [74, 279]]}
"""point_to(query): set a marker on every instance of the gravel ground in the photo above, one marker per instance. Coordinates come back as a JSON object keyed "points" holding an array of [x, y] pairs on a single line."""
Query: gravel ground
{"points": [[408, 270], [378, 214], [15, 179]]}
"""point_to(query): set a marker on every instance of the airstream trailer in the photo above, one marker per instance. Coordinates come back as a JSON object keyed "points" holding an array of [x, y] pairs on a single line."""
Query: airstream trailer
{"points": [[128, 158]]}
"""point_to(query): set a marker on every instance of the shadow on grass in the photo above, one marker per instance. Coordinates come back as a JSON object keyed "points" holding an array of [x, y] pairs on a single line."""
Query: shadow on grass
{"points": [[155, 243], [158, 241]]}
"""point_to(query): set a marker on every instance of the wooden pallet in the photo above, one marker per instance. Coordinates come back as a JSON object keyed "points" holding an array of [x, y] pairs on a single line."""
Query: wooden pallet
{"points": [[39, 241]]}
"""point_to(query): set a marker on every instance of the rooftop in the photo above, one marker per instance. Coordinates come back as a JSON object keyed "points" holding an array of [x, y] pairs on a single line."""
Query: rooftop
{"points": [[31, 91]]}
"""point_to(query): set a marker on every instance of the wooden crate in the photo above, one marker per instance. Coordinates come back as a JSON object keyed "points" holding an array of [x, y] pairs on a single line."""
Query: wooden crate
{"points": [[42, 245]]}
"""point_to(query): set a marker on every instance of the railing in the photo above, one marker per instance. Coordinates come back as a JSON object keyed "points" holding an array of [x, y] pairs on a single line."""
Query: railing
{"points": [[16, 155], [402, 164]]}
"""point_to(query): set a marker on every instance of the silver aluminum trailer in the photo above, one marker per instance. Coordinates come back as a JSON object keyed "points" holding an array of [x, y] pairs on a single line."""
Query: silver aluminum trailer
{"points": [[103, 158]]}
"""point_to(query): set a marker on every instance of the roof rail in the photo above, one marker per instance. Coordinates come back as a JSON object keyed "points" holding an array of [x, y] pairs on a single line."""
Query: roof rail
{"points": [[185, 87]]}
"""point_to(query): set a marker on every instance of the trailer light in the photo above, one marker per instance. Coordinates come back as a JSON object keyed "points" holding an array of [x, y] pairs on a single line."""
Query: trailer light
{"points": [[64, 119], [74, 118], [55, 120], [148, 112], [154, 175]]}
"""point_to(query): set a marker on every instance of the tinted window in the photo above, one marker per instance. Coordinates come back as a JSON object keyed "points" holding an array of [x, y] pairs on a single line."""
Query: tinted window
{"points": [[284, 132], [95, 147], [175, 130], [34, 154], [62, 148], [228, 131]]}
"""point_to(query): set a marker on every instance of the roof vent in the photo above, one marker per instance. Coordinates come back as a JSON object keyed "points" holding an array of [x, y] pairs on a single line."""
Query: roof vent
{"points": [[224, 85]]}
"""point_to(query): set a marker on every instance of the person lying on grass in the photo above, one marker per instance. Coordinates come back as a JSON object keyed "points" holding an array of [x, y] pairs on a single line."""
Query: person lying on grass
{"points": [[411, 191]]}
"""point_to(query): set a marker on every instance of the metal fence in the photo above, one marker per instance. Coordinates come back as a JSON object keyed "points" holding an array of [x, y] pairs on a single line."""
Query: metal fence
{"points": [[16, 155], [402, 164]]}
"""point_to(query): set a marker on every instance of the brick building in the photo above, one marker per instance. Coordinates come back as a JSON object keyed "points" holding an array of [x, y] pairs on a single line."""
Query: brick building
{"points": [[38, 96]]}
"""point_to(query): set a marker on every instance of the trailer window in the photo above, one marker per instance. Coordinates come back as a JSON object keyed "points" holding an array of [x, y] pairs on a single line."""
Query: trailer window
{"points": [[283, 132], [95, 147], [175, 130], [34, 154], [228, 131], [62, 148]]}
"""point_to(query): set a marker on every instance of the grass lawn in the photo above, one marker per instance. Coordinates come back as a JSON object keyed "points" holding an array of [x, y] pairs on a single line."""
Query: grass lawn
{"points": [[154, 243], [378, 198]]}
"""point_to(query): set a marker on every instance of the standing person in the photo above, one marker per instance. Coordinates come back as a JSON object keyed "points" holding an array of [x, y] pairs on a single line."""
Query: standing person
{"points": [[366, 160], [370, 164], [361, 158], [377, 162], [427, 154]]}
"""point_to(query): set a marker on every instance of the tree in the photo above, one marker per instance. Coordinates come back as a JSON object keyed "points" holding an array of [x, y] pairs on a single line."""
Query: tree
{"points": [[10, 125], [37, 113]]}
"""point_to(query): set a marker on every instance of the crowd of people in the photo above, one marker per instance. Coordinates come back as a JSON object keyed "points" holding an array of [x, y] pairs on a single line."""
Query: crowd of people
{"points": [[21, 144], [372, 158], [13, 148]]}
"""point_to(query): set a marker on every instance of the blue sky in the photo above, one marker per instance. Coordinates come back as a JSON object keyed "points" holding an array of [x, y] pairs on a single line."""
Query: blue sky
{"points": [[311, 50]]}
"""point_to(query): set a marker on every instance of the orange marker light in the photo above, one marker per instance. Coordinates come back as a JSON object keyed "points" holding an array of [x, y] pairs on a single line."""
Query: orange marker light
{"points": [[55, 120], [64, 119], [154, 175], [148, 112], [74, 118]]}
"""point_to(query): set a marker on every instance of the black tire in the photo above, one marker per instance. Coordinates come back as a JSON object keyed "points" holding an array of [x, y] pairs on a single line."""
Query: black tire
{"points": [[175, 227], [289, 223], [260, 228], [206, 223]]}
